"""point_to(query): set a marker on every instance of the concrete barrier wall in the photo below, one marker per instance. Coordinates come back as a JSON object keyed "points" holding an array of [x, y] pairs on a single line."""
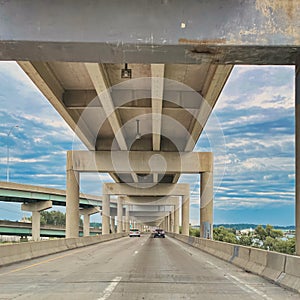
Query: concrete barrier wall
{"points": [[281, 269], [19, 252]]}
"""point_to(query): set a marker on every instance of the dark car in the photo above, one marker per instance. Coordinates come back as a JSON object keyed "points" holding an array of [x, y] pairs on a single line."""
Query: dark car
{"points": [[159, 233]]}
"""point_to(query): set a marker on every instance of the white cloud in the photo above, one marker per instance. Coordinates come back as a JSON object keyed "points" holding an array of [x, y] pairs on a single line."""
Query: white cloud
{"points": [[12, 69], [263, 91], [229, 203]]}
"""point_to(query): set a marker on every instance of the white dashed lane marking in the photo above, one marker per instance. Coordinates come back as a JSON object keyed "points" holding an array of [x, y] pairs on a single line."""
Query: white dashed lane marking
{"points": [[109, 290]]}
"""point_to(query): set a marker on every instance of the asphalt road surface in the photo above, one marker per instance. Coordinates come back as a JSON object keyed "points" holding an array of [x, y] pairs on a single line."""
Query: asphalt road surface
{"points": [[134, 268]]}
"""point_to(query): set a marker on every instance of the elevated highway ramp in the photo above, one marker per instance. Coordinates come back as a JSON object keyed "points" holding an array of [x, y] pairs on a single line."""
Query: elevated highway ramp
{"points": [[134, 268]]}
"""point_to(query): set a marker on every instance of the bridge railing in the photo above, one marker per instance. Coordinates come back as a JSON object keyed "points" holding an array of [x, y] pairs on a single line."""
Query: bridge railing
{"points": [[282, 269], [19, 252]]}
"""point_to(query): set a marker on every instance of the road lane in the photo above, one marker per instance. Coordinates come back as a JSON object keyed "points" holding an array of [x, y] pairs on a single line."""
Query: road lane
{"points": [[134, 268]]}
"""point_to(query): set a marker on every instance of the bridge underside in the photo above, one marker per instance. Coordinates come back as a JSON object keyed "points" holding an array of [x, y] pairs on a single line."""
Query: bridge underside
{"points": [[180, 55]]}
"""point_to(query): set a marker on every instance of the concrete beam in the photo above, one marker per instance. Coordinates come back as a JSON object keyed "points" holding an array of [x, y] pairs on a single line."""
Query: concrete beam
{"points": [[138, 189], [36, 206], [233, 31], [151, 208], [88, 99], [43, 77], [157, 90], [89, 211], [102, 86], [140, 161], [212, 88], [146, 219], [158, 201], [101, 83], [148, 214]]}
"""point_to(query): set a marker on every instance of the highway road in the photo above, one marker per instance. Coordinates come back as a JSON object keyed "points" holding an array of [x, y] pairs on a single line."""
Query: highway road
{"points": [[134, 268]]}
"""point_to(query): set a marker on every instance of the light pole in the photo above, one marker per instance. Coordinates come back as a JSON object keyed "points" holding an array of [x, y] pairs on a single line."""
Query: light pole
{"points": [[7, 157]]}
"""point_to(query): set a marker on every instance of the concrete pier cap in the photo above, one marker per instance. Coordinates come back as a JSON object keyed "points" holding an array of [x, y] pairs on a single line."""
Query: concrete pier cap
{"points": [[36, 208]]}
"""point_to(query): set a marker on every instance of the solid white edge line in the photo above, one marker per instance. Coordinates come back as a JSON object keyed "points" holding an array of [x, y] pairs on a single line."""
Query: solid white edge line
{"points": [[251, 288], [241, 284], [108, 291]]}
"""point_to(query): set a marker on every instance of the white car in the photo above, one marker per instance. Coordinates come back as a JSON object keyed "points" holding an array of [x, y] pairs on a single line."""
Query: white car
{"points": [[134, 232]]}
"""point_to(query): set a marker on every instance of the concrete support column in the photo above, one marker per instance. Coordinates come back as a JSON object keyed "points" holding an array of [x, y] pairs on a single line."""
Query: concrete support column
{"points": [[36, 209], [124, 224], [86, 212], [72, 201], [206, 205], [36, 225], [86, 225], [105, 214], [120, 215], [185, 210], [297, 154], [112, 224], [172, 219], [176, 218], [127, 224]]}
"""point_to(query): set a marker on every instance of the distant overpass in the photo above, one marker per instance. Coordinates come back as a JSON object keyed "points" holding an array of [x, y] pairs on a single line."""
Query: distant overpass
{"points": [[25, 229], [37, 198], [16, 192]]}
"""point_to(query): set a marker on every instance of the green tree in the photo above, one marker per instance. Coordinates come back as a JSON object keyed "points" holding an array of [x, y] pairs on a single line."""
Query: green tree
{"points": [[194, 232], [260, 233], [55, 218], [225, 235], [245, 240]]}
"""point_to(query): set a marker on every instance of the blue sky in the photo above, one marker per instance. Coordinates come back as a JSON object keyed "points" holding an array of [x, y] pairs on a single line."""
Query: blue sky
{"points": [[251, 133]]}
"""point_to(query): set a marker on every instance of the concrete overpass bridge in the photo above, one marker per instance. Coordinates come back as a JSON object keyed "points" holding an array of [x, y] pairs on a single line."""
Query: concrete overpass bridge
{"points": [[150, 210], [137, 81], [25, 229]]}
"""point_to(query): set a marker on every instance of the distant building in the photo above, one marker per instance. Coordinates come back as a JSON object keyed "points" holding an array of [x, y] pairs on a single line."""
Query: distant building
{"points": [[245, 231]]}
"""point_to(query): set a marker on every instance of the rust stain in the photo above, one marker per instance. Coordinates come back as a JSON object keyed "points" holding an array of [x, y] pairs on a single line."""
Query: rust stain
{"points": [[289, 7], [201, 42], [203, 51], [282, 16]]}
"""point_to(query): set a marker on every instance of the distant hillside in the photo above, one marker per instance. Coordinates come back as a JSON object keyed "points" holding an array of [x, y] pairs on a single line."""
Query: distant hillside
{"points": [[246, 226]]}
